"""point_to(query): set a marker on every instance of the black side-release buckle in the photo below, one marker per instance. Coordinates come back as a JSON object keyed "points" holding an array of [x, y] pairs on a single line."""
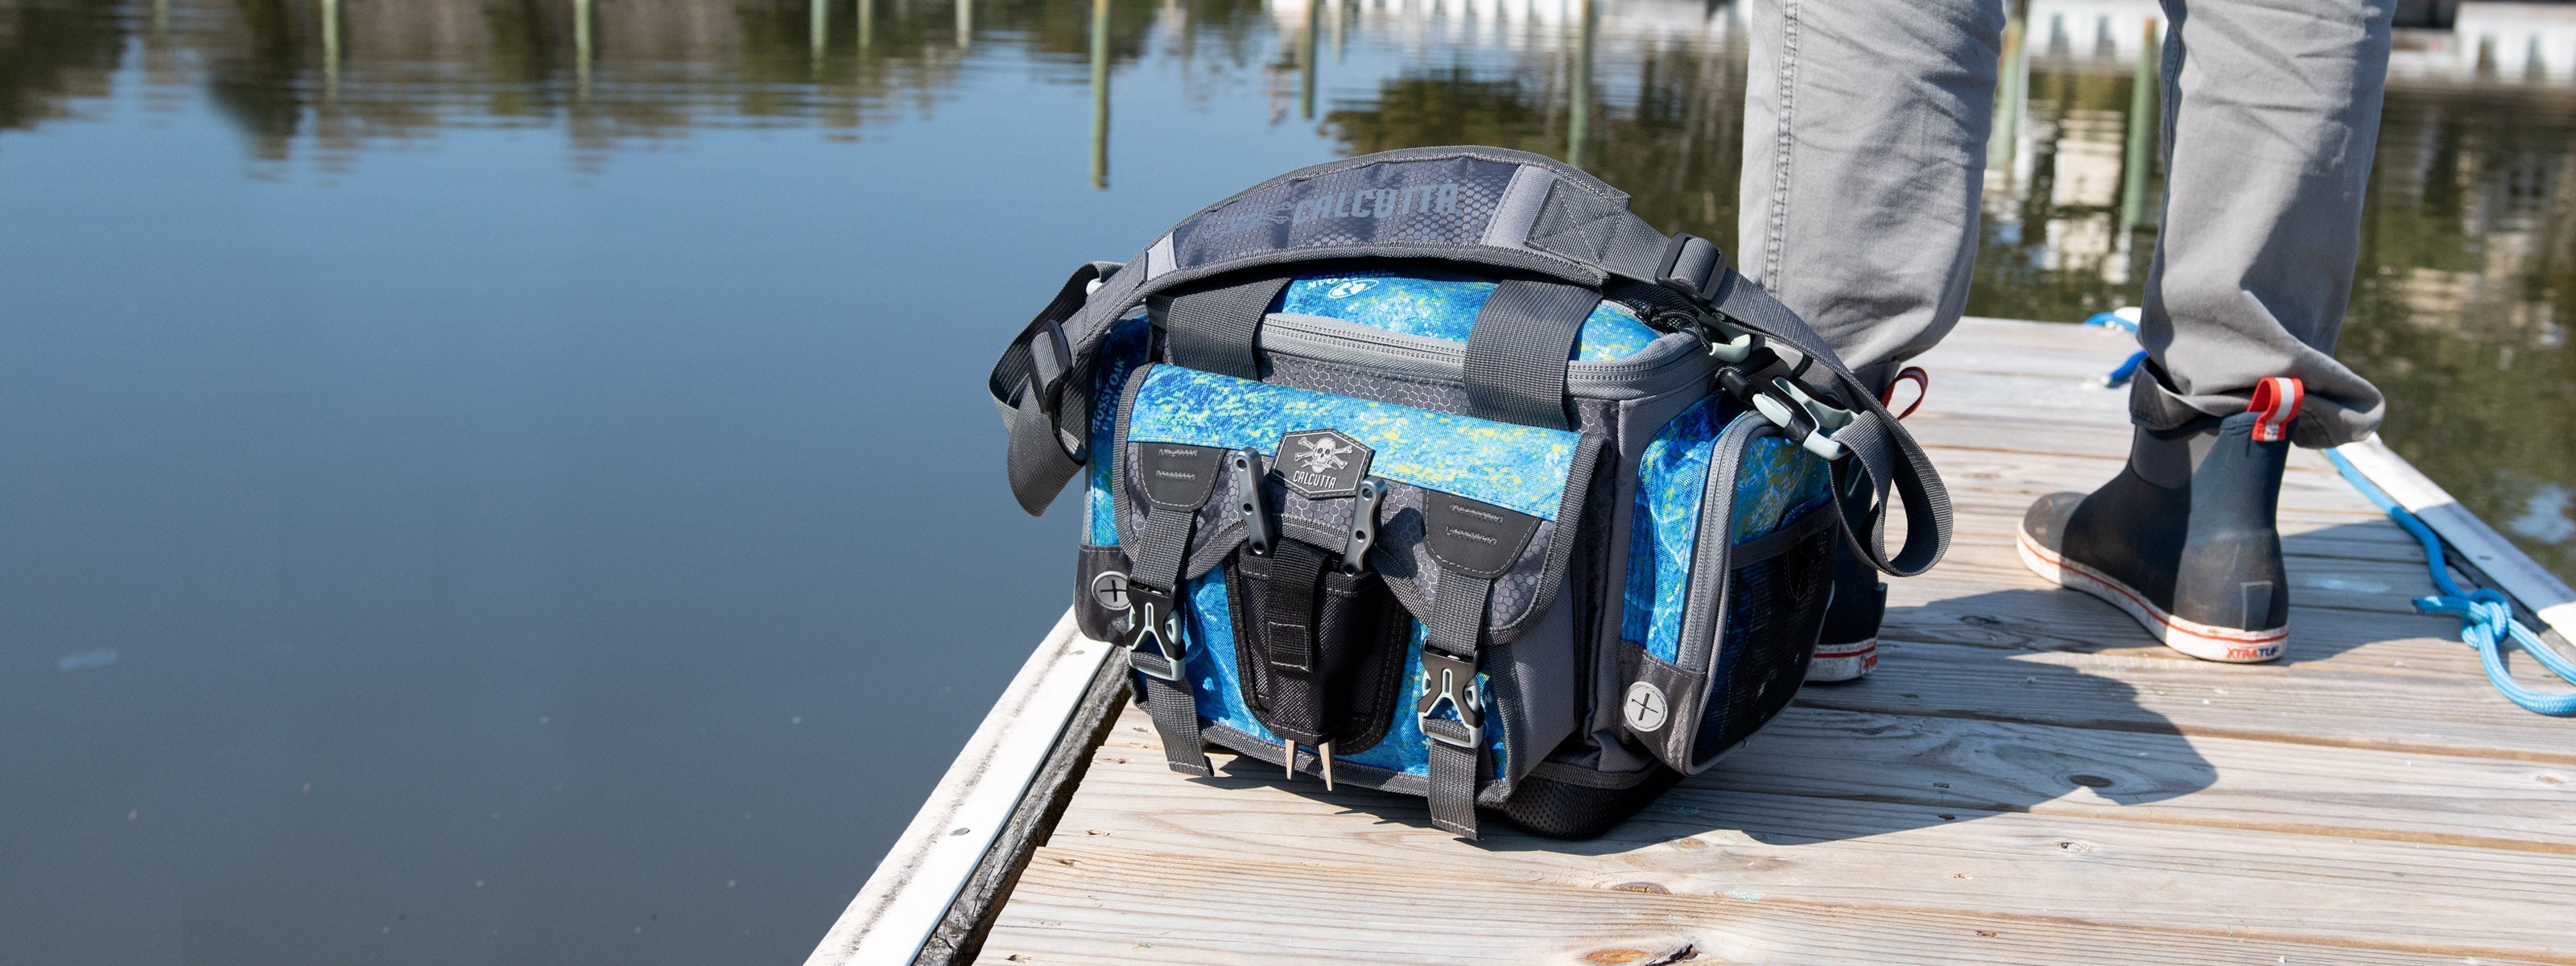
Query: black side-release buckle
{"points": [[1694, 270], [1768, 385], [1452, 681], [1153, 641]]}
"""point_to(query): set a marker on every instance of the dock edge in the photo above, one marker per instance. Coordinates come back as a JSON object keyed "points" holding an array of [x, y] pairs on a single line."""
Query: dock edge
{"points": [[928, 897], [2498, 562]]}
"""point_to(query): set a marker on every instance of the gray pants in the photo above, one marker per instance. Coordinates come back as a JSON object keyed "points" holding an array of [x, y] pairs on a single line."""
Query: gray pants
{"points": [[1864, 151]]}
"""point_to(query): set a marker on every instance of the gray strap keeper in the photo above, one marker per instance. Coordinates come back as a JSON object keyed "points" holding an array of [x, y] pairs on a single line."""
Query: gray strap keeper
{"points": [[1517, 352]]}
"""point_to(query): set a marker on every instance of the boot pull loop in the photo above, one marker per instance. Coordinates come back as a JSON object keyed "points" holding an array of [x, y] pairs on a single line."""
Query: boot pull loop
{"points": [[2278, 399], [1922, 389]]}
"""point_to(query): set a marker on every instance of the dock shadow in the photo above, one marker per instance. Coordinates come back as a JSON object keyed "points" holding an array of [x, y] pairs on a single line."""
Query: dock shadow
{"points": [[1945, 733], [1940, 734]]}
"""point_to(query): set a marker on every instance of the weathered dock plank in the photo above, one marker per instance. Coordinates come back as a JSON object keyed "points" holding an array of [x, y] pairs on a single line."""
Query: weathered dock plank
{"points": [[2027, 778], [1260, 909], [1711, 839]]}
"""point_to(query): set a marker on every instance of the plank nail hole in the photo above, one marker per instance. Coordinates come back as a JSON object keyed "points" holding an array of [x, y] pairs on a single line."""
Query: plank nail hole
{"points": [[1648, 888], [2090, 781], [1947, 817], [1988, 933], [960, 830]]}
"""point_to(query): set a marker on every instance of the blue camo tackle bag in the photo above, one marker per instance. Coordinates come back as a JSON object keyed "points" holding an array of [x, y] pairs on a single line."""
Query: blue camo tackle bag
{"points": [[1439, 472]]}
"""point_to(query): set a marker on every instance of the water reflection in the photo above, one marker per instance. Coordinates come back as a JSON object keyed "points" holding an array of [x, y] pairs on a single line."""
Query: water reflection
{"points": [[629, 450]]}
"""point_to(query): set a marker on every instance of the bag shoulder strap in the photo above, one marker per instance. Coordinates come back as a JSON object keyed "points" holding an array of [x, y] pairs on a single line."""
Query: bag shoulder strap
{"points": [[1502, 211]]}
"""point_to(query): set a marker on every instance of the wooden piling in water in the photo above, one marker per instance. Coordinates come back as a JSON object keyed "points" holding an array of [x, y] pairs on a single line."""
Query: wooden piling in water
{"points": [[1100, 93], [2145, 118]]}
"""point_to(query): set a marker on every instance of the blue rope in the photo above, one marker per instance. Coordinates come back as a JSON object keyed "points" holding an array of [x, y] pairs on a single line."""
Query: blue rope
{"points": [[2486, 617], [2120, 376], [2113, 320]]}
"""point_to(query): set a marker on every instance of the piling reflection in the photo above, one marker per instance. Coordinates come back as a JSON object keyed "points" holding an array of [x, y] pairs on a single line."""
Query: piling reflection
{"points": [[2461, 310]]}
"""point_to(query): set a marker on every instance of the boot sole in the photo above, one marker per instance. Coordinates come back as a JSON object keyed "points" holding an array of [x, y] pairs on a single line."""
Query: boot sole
{"points": [[2223, 644], [1843, 662]]}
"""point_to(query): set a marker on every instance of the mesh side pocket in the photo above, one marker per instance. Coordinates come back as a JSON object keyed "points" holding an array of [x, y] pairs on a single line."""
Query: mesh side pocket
{"points": [[1774, 609], [1565, 810]]}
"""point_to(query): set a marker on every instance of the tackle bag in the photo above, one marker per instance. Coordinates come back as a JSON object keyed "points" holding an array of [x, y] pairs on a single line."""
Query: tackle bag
{"points": [[1437, 471]]}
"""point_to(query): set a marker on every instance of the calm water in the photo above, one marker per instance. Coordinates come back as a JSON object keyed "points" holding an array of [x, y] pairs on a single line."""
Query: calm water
{"points": [[509, 481]]}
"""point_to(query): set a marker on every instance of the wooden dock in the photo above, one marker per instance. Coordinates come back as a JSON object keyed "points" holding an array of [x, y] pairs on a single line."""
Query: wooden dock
{"points": [[2026, 778]]}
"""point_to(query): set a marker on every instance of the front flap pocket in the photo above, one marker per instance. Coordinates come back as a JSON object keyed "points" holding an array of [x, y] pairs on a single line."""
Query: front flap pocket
{"points": [[1502, 499], [1729, 566]]}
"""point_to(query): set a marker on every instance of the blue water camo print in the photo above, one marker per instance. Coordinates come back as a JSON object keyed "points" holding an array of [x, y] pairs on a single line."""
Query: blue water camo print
{"points": [[1776, 483], [1439, 306], [1121, 353], [1521, 468]]}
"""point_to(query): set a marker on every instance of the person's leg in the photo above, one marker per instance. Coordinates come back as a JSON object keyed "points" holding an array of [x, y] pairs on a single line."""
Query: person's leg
{"points": [[2271, 117], [2272, 112], [1865, 127]]}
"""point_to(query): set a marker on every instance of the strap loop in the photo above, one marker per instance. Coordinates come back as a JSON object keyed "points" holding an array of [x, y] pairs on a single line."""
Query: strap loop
{"points": [[1217, 330], [1692, 269], [1517, 352]]}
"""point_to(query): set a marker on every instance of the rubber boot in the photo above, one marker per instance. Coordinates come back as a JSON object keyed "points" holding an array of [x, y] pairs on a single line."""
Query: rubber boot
{"points": [[1847, 648], [2184, 539]]}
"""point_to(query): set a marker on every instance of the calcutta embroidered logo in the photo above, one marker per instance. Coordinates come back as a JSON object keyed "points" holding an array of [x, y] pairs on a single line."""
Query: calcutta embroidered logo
{"points": [[1322, 454], [1318, 463]]}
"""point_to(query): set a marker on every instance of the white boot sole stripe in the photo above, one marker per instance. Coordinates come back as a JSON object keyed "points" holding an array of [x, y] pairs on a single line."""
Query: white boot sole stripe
{"points": [[1843, 662], [2225, 644]]}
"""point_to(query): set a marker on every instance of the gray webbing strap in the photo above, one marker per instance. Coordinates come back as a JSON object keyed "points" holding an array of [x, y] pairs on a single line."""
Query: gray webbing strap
{"points": [[1043, 374], [1454, 772], [1162, 547], [1217, 330], [1517, 352], [1160, 550], [1882, 451], [1176, 723], [1467, 205], [1457, 751], [1597, 230]]}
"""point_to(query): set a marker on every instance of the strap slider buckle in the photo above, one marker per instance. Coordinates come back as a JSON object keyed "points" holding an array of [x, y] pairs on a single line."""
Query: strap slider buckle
{"points": [[1766, 384], [1050, 362], [1153, 639], [1451, 681], [1693, 266]]}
